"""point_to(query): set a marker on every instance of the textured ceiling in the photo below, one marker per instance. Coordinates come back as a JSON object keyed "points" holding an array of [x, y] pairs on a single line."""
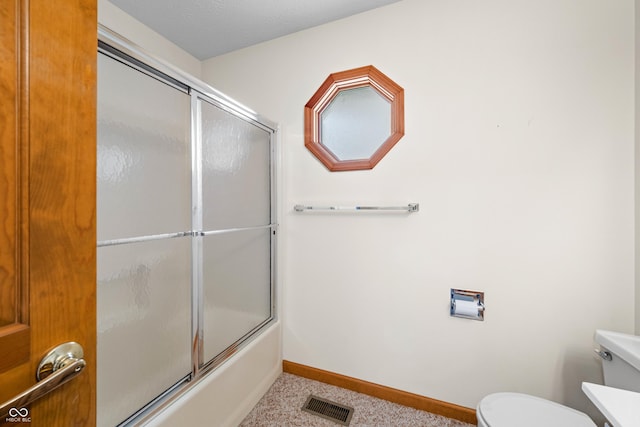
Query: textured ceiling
{"points": [[207, 28]]}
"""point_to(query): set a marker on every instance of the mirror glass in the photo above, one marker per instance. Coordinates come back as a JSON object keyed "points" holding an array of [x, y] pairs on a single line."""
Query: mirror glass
{"points": [[355, 123], [354, 119]]}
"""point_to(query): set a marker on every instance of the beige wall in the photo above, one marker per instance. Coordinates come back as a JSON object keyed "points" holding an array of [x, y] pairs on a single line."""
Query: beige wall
{"points": [[519, 147]]}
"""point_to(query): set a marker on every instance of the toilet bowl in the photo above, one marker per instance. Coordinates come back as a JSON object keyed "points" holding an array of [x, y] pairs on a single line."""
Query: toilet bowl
{"points": [[522, 410], [621, 367]]}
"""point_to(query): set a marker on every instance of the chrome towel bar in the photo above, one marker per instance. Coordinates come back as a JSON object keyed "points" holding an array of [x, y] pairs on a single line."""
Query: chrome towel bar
{"points": [[411, 207]]}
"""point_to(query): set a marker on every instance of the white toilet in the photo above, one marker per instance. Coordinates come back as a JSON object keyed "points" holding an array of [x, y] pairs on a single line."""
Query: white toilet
{"points": [[621, 366]]}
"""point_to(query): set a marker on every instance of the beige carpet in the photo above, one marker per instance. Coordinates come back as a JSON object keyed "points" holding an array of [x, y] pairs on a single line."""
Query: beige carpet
{"points": [[281, 407]]}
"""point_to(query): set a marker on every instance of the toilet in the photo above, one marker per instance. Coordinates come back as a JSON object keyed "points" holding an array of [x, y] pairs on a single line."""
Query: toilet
{"points": [[523, 410], [621, 367]]}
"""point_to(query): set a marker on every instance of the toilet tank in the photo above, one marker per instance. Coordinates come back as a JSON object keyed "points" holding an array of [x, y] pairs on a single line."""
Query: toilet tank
{"points": [[623, 370]]}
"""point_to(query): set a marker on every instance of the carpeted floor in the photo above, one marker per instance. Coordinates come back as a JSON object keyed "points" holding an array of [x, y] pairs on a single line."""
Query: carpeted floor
{"points": [[281, 407]]}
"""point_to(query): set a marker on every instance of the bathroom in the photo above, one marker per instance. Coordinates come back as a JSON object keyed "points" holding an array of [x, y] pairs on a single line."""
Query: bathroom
{"points": [[519, 145]]}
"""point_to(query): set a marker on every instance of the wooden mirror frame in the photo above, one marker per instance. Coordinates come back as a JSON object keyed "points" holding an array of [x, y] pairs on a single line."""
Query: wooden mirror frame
{"points": [[344, 80]]}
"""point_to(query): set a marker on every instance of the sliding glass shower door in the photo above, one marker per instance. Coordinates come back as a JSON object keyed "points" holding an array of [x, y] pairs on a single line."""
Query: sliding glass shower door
{"points": [[186, 234], [236, 224], [144, 276]]}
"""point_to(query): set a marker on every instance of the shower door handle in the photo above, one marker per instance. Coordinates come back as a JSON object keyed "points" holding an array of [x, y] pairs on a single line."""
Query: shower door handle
{"points": [[60, 365]]}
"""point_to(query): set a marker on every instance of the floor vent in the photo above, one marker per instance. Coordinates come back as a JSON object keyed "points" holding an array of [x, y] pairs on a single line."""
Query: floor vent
{"points": [[329, 410]]}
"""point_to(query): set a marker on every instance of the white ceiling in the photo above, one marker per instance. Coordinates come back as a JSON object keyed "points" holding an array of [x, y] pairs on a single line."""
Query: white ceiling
{"points": [[207, 28]]}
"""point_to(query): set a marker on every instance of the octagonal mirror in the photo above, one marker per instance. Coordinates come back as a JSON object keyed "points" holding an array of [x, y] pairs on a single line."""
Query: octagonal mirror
{"points": [[354, 119]]}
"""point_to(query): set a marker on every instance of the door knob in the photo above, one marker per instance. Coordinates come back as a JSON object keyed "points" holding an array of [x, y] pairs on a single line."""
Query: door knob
{"points": [[60, 365], [61, 356]]}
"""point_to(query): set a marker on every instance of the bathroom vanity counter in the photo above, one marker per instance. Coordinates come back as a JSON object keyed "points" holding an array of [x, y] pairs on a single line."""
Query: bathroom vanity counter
{"points": [[620, 407]]}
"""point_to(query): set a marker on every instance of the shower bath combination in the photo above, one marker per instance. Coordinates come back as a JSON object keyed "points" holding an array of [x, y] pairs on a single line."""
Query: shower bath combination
{"points": [[186, 190]]}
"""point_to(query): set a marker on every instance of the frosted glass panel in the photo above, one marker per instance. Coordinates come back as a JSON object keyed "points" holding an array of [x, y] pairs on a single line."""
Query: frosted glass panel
{"points": [[237, 290], [236, 171], [144, 157], [356, 123], [144, 323]]}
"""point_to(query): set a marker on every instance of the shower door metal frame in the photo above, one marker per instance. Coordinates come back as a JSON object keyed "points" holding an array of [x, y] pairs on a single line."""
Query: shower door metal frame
{"points": [[115, 46]]}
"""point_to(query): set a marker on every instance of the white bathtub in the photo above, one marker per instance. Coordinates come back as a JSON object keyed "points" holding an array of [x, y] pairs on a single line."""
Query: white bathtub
{"points": [[225, 396]]}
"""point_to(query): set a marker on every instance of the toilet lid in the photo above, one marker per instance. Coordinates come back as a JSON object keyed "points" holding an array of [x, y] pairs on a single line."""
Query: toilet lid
{"points": [[522, 410]]}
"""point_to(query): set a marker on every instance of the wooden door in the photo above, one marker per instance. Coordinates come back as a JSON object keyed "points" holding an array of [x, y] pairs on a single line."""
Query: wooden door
{"points": [[48, 200]]}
